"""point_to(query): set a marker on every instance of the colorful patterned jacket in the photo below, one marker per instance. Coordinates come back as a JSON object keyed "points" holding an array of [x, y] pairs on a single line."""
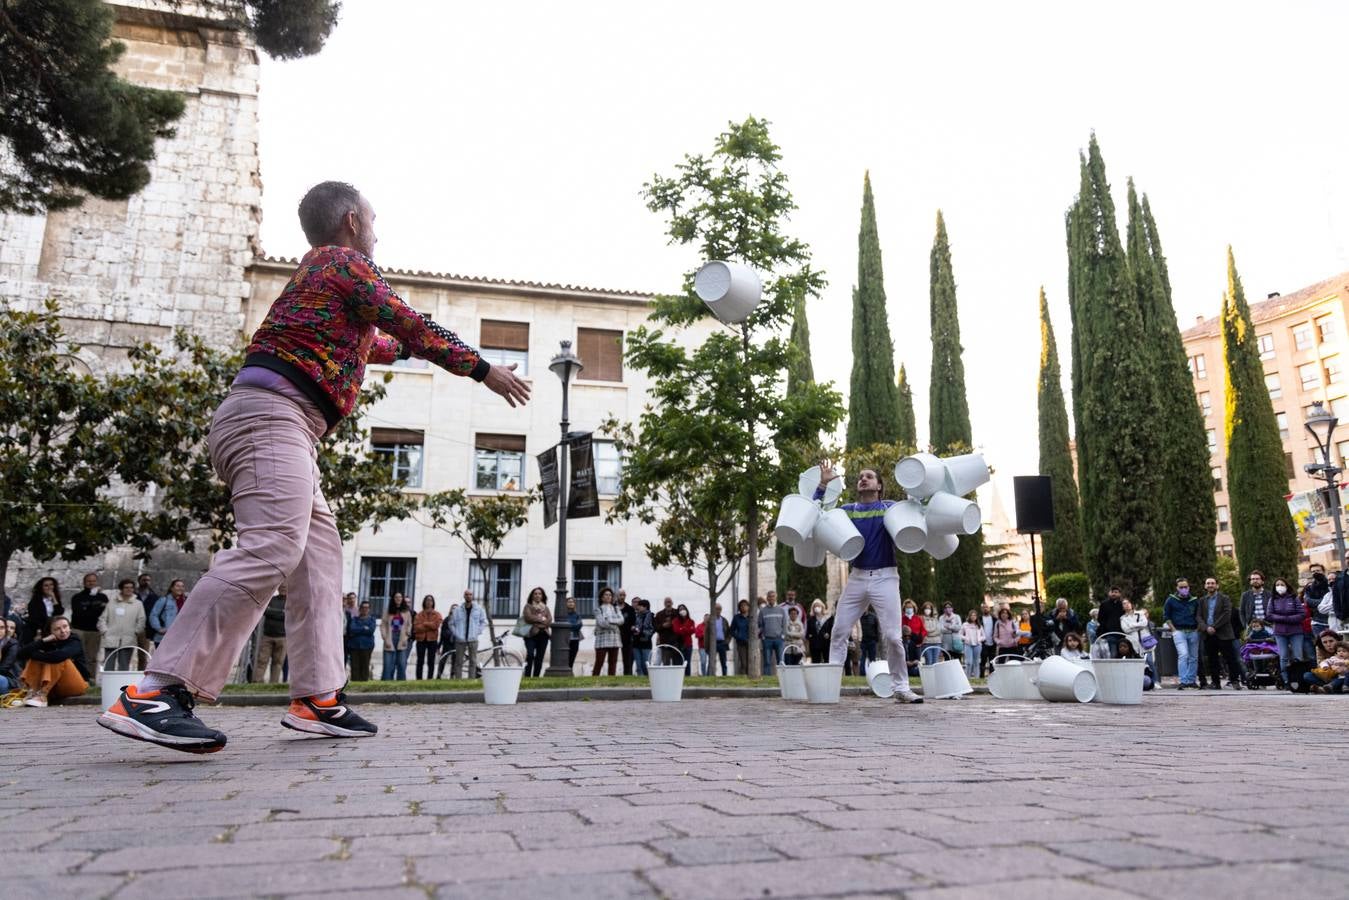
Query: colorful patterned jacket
{"points": [[321, 331]]}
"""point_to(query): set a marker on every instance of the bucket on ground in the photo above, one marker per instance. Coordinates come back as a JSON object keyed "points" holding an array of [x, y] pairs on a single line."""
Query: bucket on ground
{"points": [[944, 679], [836, 533], [112, 682], [667, 681], [824, 682], [1118, 681], [1013, 678], [907, 525], [797, 518], [791, 682], [1060, 681], [878, 677]]}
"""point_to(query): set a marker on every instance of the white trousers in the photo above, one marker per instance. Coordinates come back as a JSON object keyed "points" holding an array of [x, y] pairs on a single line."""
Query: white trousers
{"points": [[879, 589]]}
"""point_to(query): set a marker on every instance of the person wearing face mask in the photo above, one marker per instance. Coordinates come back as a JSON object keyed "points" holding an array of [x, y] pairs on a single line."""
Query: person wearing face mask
{"points": [[1286, 611], [1181, 615]]}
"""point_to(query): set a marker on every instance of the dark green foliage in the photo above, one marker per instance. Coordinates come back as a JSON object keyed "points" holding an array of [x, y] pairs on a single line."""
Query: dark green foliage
{"points": [[1257, 480], [1063, 545], [915, 569], [906, 423], [958, 579], [872, 398], [71, 126], [806, 580], [1075, 587], [1114, 401], [1185, 514], [1002, 579]]}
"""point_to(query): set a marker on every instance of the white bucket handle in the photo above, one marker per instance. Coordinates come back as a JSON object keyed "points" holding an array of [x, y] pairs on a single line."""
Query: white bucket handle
{"points": [[922, 653], [1107, 634], [103, 666], [682, 659], [1009, 656]]}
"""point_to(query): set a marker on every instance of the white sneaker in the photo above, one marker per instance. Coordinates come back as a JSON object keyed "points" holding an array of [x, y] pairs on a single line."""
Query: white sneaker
{"points": [[907, 696], [35, 700]]}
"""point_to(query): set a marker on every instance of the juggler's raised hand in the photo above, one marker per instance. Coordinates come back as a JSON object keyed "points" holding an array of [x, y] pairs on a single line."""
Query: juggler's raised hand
{"points": [[503, 380]]}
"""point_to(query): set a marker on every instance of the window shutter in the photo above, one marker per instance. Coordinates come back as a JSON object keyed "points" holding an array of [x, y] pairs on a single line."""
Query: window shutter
{"points": [[601, 352], [510, 442], [498, 335], [396, 436]]}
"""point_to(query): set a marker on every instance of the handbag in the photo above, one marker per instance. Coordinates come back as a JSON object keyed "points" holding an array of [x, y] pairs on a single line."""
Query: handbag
{"points": [[522, 628], [1147, 641], [957, 644]]}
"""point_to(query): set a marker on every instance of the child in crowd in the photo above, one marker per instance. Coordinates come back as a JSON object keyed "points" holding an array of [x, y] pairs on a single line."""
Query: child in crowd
{"points": [[1259, 632], [1127, 651], [1072, 646], [1339, 665]]}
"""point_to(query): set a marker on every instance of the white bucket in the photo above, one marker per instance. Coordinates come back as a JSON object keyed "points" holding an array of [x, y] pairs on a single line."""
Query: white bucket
{"points": [[792, 682], [944, 680], [809, 482], [965, 473], [836, 533], [501, 684], [952, 514], [112, 683], [797, 519], [940, 546], [824, 682], [1014, 679], [808, 554], [667, 682], [1118, 681], [878, 676], [907, 525], [730, 290], [921, 475], [1060, 681]]}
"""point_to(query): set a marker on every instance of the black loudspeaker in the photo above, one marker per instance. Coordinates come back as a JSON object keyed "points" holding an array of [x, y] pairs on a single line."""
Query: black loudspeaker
{"points": [[1034, 503]]}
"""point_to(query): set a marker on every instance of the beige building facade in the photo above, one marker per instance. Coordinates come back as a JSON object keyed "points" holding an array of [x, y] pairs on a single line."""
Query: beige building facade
{"points": [[1303, 346]]}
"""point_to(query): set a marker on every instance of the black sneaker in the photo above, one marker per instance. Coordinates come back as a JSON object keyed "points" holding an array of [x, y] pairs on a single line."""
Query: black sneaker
{"points": [[162, 717], [329, 717]]}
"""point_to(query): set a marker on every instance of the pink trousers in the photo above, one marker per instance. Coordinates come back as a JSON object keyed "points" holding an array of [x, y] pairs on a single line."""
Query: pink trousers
{"points": [[263, 448]]}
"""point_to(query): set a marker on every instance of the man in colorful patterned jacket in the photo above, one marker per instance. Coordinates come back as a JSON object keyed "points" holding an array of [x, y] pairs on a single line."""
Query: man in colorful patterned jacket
{"points": [[300, 377]]}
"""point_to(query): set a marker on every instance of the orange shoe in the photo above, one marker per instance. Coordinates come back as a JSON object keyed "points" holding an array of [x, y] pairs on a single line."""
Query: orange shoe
{"points": [[331, 717], [161, 717]]}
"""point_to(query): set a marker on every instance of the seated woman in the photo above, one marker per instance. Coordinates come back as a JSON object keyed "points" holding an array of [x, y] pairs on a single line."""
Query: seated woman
{"points": [[1072, 647], [1327, 647], [1127, 651], [55, 666]]}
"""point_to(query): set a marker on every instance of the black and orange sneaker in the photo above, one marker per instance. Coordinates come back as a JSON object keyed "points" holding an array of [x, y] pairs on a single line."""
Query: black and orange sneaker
{"points": [[161, 717], [331, 717]]}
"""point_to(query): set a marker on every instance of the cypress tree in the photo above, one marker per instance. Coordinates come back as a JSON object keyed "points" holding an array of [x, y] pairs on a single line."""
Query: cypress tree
{"points": [[1184, 511], [808, 582], [1063, 545], [872, 397], [1114, 402], [915, 569], [958, 579], [1257, 479]]}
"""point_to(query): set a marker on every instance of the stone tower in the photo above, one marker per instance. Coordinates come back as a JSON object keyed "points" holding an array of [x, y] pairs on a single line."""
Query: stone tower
{"points": [[175, 254]]}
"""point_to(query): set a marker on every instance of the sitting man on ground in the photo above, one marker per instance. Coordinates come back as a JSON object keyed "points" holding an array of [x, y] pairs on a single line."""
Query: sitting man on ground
{"points": [[55, 666]]}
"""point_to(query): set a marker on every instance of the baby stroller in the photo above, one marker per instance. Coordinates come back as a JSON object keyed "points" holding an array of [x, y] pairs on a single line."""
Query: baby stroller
{"points": [[1260, 659]]}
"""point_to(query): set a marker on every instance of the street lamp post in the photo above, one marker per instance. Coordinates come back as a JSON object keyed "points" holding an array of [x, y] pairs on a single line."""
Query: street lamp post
{"points": [[565, 366], [1321, 425]]}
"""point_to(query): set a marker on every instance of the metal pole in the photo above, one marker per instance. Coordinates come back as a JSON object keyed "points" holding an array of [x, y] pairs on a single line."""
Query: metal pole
{"points": [[558, 667], [1334, 486]]}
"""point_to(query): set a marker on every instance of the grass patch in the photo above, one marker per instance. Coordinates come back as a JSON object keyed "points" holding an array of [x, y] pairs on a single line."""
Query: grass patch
{"points": [[575, 681]]}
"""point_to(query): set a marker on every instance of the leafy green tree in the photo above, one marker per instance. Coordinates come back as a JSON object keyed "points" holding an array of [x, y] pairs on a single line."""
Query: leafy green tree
{"points": [[809, 581], [1063, 545], [915, 569], [716, 403], [72, 127], [872, 398], [1257, 480], [1074, 587], [958, 579], [1003, 580], [56, 452], [906, 423], [1185, 515], [1113, 394]]}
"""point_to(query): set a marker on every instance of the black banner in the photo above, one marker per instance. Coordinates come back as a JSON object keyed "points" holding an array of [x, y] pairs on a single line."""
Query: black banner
{"points": [[584, 499], [548, 481]]}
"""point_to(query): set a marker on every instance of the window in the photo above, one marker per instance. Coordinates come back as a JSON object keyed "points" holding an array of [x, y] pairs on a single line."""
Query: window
{"points": [[1224, 519], [1302, 337], [1266, 344], [1282, 419], [1226, 550], [1217, 478], [1310, 376], [1212, 439], [1198, 368], [1288, 466], [382, 577], [1328, 328], [1343, 448], [586, 580], [1206, 403], [1339, 408], [601, 354], [503, 586], [504, 343], [1274, 386], [403, 450], [608, 467], [1334, 370], [499, 462]]}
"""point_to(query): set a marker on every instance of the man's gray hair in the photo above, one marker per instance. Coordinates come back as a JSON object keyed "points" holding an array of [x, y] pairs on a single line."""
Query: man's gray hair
{"points": [[323, 209]]}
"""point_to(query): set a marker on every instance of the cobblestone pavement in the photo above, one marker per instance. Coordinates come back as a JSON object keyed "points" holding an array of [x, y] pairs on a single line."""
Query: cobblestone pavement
{"points": [[1207, 795]]}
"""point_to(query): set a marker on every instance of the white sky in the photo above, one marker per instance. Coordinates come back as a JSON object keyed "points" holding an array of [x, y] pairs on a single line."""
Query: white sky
{"points": [[512, 139]]}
